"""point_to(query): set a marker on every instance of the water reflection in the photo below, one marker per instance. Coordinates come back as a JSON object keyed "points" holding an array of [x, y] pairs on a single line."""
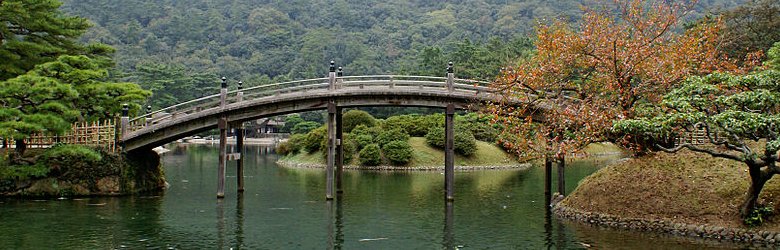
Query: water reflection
{"points": [[335, 222], [239, 219], [449, 230], [285, 210]]}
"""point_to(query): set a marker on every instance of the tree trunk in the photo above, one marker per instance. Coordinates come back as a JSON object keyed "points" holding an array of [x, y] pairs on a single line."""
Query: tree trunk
{"points": [[20, 148], [757, 180]]}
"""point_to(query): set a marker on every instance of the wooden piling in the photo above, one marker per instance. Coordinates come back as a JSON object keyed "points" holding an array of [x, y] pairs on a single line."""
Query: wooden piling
{"points": [[547, 180], [561, 176], [449, 153], [339, 151], [240, 161], [331, 150], [222, 157]]}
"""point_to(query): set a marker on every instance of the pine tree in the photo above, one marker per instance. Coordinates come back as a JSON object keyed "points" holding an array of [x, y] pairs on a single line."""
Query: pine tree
{"points": [[33, 32]]}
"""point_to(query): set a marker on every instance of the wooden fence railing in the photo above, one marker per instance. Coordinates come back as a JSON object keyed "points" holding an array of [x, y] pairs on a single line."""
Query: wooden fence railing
{"points": [[98, 134]]}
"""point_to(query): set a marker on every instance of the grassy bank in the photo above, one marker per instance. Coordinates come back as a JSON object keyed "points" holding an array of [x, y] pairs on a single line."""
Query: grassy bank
{"points": [[685, 187], [424, 156]]}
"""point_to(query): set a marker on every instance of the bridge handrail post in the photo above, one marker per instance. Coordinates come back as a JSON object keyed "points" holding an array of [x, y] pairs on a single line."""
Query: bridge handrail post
{"points": [[223, 93], [240, 93], [450, 77], [339, 79], [148, 115], [332, 76], [125, 120]]}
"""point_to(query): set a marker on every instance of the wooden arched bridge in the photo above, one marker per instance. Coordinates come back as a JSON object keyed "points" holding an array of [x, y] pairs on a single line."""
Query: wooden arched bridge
{"points": [[230, 109]]}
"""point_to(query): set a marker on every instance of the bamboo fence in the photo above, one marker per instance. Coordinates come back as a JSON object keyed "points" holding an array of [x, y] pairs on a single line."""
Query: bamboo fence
{"points": [[97, 134]]}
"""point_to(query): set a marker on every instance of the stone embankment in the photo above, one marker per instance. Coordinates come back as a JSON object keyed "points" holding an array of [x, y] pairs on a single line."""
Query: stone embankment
{"points": [[755, 237], [290, 164]]}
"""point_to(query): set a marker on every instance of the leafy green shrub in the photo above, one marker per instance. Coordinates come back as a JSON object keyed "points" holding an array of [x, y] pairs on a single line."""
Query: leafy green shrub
{"points": [[398, 152], [414, 125], [465, 144], [759, 215], [350, 147], [388, 136], [364, 130], [370, 155], [293, 145], [353, 118], [363, 140], [315, 138], [22, 172], [305, 127], [435, 137]]}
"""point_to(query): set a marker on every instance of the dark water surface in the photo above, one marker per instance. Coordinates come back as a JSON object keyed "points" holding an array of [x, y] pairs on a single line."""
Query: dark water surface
{"points": [[285, 208]]}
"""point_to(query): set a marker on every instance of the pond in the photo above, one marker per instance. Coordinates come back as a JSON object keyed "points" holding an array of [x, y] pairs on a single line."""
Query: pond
{"points": [[284, 208]]}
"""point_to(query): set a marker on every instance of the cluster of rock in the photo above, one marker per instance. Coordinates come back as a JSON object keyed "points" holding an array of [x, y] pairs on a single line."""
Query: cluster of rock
{"points": [[402, 168], [759, 237]]}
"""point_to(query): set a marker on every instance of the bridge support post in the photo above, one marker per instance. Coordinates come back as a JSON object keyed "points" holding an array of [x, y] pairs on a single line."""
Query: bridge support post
{"points": [[547, 180], [339, 151], [222, 157], [240, 144], [331, 150], [449, 153], [561, 176]]}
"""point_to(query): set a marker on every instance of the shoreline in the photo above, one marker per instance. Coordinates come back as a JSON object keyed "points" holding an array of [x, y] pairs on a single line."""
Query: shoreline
{"points": [[764, 238], [290, 164]]}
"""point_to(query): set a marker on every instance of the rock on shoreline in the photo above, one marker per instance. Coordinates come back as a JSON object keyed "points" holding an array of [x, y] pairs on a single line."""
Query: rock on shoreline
{"points": [[759, 237]]}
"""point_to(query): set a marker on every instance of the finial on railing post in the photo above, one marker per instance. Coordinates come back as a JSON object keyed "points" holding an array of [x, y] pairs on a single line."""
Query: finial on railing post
{"points": [[240, 94], [339, 79], [125, 110], [450, 77], [125, 120], [223, 93], [332, 76]]}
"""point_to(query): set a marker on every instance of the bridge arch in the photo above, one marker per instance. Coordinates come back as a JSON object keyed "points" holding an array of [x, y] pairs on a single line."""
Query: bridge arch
{"points": [[332, 93]]}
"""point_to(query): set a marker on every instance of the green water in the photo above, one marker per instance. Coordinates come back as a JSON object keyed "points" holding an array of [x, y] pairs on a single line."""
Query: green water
{"points": [[285, 208]]}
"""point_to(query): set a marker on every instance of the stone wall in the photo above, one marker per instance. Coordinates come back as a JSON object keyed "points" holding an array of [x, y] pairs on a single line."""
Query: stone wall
{"points": [[114, 175], [756, 237]]}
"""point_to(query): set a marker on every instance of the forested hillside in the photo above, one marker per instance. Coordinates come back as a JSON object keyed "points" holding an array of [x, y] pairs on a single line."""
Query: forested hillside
{"points": [[173, 47]]}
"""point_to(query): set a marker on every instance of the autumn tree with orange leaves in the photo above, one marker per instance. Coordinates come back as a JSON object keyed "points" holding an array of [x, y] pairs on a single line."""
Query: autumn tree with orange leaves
{"points": [[584, 77]]}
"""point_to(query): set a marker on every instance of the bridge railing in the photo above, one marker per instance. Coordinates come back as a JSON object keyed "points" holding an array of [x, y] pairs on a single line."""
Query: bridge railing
{"points": [[374, 82]]}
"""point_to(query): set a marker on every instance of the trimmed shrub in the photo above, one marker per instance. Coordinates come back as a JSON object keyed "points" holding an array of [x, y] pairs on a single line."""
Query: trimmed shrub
{"points": [[388, 136], [363, 130], [435, 137], [315, 138], [398, 152], [363, 140], [353, 118], [293, 145], [370, 155], [350, 148], [465, 144], [305, 127]]}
